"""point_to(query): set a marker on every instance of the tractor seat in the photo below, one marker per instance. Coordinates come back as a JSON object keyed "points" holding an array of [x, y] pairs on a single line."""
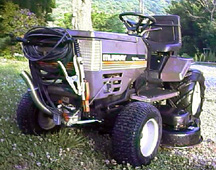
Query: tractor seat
{"points": [[169, 38]]}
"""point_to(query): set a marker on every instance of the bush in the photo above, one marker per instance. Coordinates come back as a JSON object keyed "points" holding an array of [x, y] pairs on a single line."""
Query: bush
{"points": [[199, 57], [185, 55], [208, 57], [15, 22]]}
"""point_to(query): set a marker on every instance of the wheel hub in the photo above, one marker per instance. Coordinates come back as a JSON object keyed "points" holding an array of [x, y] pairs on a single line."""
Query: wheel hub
{"points": [[196, 101], [149, 137], [45, 121]]}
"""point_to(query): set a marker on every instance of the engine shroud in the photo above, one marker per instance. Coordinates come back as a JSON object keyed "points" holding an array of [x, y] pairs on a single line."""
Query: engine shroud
{"points": [[111, 61]]}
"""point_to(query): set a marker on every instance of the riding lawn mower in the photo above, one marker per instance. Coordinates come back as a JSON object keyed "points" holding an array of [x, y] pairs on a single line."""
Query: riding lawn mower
{"points": [[134, 83]]}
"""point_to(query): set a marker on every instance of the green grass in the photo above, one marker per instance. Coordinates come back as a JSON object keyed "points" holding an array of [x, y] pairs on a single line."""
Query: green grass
{"points": [[75, 149]]}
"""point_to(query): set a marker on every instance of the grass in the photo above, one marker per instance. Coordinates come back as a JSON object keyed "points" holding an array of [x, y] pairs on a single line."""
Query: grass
{"points": [[75, 149]]}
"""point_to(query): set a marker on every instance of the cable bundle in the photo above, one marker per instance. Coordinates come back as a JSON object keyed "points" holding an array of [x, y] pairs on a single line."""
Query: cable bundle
{"points": [[58, 40], [44, 47]]}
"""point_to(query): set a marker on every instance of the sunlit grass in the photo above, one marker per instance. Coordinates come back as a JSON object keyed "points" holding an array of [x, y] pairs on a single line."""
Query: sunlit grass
{"points": [[63, 150]]}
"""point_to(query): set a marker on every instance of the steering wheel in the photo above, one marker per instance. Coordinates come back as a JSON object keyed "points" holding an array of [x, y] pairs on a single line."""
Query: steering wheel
{"points": [[139, 26]]}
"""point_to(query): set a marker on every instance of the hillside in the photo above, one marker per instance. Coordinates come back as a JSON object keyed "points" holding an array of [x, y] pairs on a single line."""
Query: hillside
{"points": [[110, 7], [118, 6]]}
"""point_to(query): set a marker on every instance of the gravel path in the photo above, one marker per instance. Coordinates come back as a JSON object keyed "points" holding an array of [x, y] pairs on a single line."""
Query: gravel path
{"points": [[203, 156], [208, 116]]}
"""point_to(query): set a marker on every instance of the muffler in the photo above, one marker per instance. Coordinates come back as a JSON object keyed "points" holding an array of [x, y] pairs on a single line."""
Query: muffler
{"points": [[26, 77]]}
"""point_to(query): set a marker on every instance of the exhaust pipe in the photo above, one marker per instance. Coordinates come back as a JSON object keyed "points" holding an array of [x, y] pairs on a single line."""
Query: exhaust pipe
{"points": [[26, 77]]}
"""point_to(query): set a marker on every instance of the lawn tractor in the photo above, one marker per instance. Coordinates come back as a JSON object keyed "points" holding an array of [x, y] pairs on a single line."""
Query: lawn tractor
{"points": [[134, 84]]}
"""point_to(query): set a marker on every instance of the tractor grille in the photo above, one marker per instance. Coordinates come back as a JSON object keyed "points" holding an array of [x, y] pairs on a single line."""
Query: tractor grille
{"points": [[91, 51]]}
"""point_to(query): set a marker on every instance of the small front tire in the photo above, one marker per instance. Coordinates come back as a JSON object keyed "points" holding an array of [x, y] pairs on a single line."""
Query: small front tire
{"points": [[137, 134]]}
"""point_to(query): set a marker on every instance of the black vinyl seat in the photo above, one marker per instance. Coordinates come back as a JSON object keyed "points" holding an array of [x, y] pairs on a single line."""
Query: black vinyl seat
{"points": [[167, 39]]}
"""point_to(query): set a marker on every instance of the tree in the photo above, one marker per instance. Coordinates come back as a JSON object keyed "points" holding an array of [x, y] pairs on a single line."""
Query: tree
{"points": [[106, 22], [81, 14], [141, 6], [42, 8], [209, 6], [198, 24], [17, 22]]}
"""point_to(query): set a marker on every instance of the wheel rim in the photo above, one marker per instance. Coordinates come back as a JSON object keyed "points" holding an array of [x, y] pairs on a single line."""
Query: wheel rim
{"points": [[45, 122], [196, 98], [149, 137]]}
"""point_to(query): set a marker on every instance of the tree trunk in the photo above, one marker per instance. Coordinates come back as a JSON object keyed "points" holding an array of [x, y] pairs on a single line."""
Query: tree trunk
{"points": [[81, 10], [141, 6]]}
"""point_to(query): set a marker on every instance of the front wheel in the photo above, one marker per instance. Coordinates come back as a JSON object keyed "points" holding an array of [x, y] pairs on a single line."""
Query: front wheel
{"points": [[137, 134], [31, 120]]}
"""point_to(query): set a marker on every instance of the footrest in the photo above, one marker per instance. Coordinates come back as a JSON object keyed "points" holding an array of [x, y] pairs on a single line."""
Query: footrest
{"points": [[154, 95]]}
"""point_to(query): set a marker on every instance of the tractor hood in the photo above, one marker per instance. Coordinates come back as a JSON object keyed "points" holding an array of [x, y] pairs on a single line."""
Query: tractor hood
{"points": [[103, 35], [113, 43]]}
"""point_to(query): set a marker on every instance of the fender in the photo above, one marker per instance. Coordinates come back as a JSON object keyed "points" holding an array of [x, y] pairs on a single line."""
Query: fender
{"points": [[175, 69]]}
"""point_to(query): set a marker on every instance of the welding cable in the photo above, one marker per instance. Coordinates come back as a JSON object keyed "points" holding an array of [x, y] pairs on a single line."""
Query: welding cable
{"points": [[42, 44], [57, 40]]}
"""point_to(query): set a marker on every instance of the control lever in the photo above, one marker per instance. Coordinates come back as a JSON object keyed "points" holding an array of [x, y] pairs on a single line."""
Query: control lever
{"points": [[150, 30]]}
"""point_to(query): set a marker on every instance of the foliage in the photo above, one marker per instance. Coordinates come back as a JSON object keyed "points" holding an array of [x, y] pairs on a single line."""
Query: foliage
{"points": [[4, 41], [42, 8], [199, 57], [185, 55], [106, 22], [15, 22], [198, 24], [18, 16], [105, 12], [205, 57], [64, 22], [60, 13], [119, 6], [67, 20]]}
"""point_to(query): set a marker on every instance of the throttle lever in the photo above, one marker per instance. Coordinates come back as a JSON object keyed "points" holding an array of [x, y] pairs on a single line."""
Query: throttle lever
{"points": [[150, 30]]}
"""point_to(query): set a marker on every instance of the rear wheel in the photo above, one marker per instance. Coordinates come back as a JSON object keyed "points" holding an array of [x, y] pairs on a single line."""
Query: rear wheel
{"points": [[137, 134], [31, 120], [191, 95]]}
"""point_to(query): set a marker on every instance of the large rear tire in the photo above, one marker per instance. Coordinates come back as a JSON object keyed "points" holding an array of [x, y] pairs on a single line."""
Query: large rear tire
{"points": [[191, 95], [31, 120], [137, 134]]}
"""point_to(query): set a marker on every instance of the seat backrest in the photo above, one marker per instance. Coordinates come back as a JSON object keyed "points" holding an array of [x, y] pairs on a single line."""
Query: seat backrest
{"points": [[169, 38]]}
